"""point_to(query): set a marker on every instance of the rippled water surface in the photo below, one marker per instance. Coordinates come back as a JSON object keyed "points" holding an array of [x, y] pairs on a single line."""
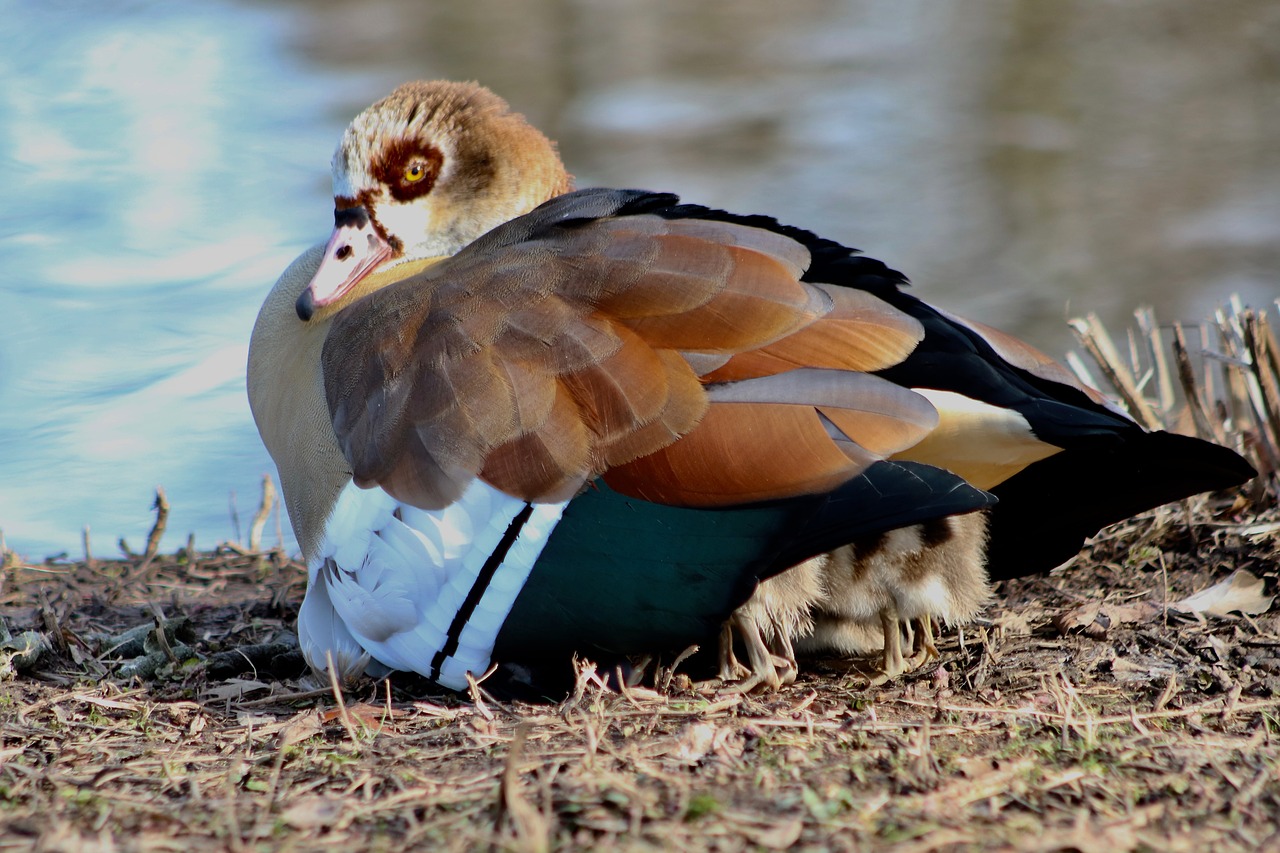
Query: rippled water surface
{"points": [[163, 162]]}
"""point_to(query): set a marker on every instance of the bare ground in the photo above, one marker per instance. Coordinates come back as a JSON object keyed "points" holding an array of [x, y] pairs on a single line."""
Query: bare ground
{"points": [[1079, 714]]}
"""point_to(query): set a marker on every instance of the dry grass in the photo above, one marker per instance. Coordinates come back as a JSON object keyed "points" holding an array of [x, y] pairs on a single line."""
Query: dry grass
{"points": [[1144, 735], [1161, 733]]}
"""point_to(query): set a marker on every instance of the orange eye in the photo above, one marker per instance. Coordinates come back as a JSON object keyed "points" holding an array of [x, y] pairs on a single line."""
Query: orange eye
{"points": [[415, 172]]}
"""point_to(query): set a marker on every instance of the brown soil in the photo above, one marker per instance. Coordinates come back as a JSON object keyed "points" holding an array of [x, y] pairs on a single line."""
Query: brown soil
{"points": [[1054, 724]]}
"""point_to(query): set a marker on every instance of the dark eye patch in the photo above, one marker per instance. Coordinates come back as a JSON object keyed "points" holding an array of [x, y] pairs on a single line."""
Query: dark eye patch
{"points": [[389, 168]]}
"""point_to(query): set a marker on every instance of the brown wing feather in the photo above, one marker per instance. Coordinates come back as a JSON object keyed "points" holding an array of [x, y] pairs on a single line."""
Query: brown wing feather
{"points": [[740, 452], [622, 391], [684, 407], [551, 462], [538, 364], [755, 300], [860, 332], [781, 435]]}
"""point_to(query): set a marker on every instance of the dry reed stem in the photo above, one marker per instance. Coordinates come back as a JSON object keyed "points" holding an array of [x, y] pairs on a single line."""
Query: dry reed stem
{"points": [[1094, 338], [263, 513], [1186, 375], [161, 507]]}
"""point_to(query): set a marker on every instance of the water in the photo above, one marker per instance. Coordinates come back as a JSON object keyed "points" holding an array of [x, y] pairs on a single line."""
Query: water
{"points": [[163, 162]]}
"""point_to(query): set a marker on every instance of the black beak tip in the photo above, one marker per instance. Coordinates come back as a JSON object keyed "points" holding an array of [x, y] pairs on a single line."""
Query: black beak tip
{"points": [[305, 306]]}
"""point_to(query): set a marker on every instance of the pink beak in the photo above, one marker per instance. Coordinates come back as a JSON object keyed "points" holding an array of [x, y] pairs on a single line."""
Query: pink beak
{"points": [[354, 250]]}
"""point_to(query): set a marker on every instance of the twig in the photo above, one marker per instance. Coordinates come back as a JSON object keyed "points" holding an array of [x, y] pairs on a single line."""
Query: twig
{"points": [[90, 563], [161, 506], [1156, 351], [529, 825], [1170, 690], [53, 626], [1256, 344], [1029, 711], [664, 676], [336, 689], [161, 639], [1081, 370], [235, 772], [1210, 391], [478, 693], [263, 513], [286, 697]]}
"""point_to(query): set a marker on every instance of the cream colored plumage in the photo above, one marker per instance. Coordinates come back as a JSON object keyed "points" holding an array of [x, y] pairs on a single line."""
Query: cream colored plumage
{"points": [[285, 376], [868, 596], [778, 613], [881, 592]]}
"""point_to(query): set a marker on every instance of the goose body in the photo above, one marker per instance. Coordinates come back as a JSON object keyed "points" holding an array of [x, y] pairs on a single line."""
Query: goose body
{"points": [[514, 421]]}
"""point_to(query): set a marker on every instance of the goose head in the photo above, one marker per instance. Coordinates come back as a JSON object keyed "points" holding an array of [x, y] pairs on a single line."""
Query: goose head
{"points": [[422, 173]]}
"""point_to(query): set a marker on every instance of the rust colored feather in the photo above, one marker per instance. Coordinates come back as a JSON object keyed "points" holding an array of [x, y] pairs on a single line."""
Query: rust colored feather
{"points": [[683, 408], [533, 393], [622, 392], [739, 453], [779, 435], [784, 249], [680, 274], [758, 302], [859, 332], [875, 415]]}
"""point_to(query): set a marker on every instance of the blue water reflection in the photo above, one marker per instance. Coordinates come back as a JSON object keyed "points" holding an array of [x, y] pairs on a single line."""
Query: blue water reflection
{"points": [[160, 166], [163, 162]]}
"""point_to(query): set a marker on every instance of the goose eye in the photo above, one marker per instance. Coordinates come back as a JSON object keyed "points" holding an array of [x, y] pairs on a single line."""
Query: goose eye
{"points": [[415, 172]]}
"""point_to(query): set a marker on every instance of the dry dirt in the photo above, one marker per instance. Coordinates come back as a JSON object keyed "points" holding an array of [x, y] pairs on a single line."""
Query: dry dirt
{"points": [[1054, 724]]}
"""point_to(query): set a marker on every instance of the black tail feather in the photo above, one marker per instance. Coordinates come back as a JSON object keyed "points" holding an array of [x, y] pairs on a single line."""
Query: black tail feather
{"points": [[1047, 511]]}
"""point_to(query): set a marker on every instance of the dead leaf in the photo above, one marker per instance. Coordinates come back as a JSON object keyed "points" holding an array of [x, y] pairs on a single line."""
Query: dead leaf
{"points": [[699, 740], [1011, 624], [375, 717], [234, 688], [108, 703], [1239, 592], [313, 812], [1096, 618], [1218, 646], [1087, 619], [779, 836], [306, 724]]}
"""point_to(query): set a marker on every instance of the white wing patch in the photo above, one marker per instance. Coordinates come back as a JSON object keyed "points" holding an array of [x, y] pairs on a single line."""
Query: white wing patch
{"points": [[419, 590]]}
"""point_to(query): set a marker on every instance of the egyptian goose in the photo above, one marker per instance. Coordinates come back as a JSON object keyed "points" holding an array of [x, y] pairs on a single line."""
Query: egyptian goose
{"points": [[506, 432]]}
